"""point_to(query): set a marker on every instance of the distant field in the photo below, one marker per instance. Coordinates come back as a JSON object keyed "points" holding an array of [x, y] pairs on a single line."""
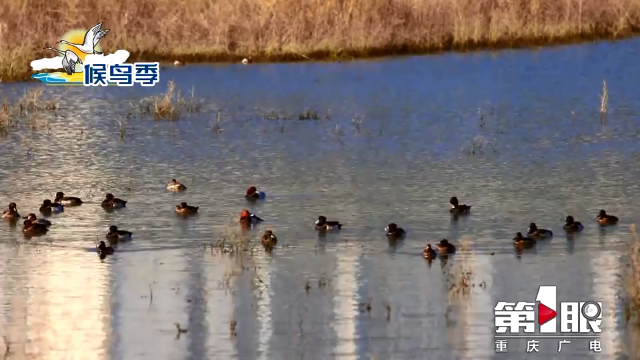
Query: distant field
{"points": [[289, 30]]}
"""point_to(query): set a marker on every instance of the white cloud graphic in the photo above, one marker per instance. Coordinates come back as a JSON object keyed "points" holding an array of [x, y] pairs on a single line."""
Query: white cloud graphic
{"points": [[119, 57]]}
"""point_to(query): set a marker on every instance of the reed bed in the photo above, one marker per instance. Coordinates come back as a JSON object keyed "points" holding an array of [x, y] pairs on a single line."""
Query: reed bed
{"points": [[28, 107], [294, 30]]}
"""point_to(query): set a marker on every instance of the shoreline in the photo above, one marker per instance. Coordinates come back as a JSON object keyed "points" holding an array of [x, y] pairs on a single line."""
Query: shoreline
{"points": [[23, 75]]}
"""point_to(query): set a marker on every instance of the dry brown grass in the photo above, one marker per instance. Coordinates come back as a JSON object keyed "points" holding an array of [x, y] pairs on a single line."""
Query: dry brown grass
{"points": [[168, 106], [290, 30], [28, 107]]}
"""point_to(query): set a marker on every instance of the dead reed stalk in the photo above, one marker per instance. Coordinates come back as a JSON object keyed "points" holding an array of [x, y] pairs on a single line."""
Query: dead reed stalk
{"points": [[604, 101]]}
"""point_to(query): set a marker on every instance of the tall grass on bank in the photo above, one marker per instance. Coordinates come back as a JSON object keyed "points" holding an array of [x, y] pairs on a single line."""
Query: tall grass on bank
{"points": [[289, 30]]}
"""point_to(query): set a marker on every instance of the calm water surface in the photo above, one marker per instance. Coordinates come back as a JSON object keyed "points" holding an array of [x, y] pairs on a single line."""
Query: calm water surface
{"points": [[540, 153]]}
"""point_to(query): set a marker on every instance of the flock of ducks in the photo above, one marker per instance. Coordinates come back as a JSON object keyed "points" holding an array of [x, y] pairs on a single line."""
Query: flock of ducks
{"points": [[33, 226]]}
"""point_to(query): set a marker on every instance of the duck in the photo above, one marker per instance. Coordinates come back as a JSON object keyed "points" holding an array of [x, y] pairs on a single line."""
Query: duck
{"points": [[394, 232], [269, 240], [572, 226], [536, 233], [605, 219], [428, 253], [520, 240], [445, 247], [113, 202], [323, 224], [457, 208], [32, 229], [253, 194], [32, 217], [67, 200], [174, 185], [185, 209], [49, 207], [12, 212], [249, 218], [104, 250], [115, 234]]}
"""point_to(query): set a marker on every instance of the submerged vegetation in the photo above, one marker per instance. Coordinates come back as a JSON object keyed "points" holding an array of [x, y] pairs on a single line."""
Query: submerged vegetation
{"points": [[28, 107], [297, 30]]}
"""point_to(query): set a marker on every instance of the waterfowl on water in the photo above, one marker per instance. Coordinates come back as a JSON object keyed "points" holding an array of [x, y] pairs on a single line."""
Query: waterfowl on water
{"points": [[457, 208], [323, 224], [253, 194], [185, 209], [48, 207], [67, 200], [32, 217], [113, 202], [249, 218], [115, 234], [572, 226], [605, 219], [394, 232], [104, 250], [269, 240], [12, 212], [445, 247], [428, 253], [32, 229], [520, 240], [539, 234], [174, 185]]}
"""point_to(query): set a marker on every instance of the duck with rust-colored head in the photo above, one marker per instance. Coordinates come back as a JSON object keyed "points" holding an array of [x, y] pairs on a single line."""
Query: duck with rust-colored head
{"points": [[112, 202], [67, 200], [269, 240], [323, 224], [116, 235], [186, 209], [445, 247], [49, 207], [12, 212], [572, 226], [174, 185], [539, 234], [605, 219], [32, 229], [428, 253], [249, 218], [104, 250], [32, 217], [521, 241], [457, 208], [253, 194], [394, 232]]}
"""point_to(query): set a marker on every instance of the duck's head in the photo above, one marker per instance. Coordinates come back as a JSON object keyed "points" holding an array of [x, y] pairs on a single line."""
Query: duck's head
{"points": [[532, 227], [444, 242], [113, 228], [109, 197], [321, 220], [183, 205], [519, 236], [252, 190], [392, 227], [31, 217], [569, 220], [602, 213], [268, 233], [59, 195], [102, 245], [173, 181], [428, 247], [453, 201], [47, 202], [12, 206], [245, 214], [26, 223]]}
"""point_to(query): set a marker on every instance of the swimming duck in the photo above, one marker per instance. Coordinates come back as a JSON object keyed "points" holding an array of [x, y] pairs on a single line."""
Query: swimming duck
{"points": [[104, 250], [445, 247], [174, 185], [323, 224], [118, 235], [428, 253], [31, 229], [48, 207], [269, 240], [248, 218], [572, 226], [605, 220], [534, 232], [67, 200], [253, 194], [520, 240], [12, 212], [32, 217], [185, 209], [113, 202], [457, 208], [394, 232]]}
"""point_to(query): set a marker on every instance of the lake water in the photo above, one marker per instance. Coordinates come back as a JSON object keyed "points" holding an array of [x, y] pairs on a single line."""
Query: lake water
{"points": [[541, 153]]}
